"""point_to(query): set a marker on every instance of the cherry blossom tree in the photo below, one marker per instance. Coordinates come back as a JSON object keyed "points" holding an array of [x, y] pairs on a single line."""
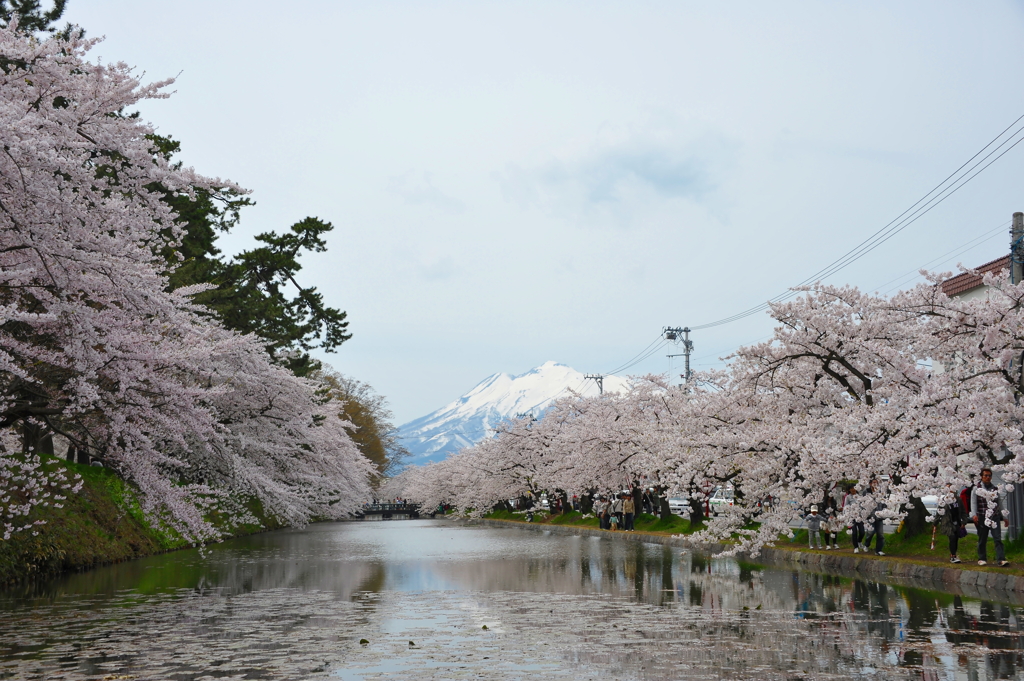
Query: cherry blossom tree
{"points": [[93, 345], [917, 391], [846, 390]]}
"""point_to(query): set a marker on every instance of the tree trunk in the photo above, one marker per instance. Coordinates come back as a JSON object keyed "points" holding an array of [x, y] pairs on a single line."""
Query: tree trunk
{"points": [[34, 439], [587, 503], [915, 522], [638, 500], [566, 506], [664, 508], [696, 512], [661, 504]]}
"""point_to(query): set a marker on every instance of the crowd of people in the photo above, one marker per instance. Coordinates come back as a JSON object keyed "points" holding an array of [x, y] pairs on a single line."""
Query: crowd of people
{"points": [[978, 504], [827, 524], [616, 511]]}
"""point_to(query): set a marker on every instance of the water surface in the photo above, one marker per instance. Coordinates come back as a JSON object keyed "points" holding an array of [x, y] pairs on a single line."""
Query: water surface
{"points": [[437, 600]]}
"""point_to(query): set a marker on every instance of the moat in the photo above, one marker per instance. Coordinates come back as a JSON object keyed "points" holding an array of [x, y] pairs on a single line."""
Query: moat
{"points": [[429, 599]]}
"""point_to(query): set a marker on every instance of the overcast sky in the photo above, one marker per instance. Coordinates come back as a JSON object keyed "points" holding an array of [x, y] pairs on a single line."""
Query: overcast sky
{"points": [[512, 183]]}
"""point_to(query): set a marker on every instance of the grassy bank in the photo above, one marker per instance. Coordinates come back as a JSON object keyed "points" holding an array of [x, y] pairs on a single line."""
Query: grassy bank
{"points": [[898, 547], [649, 524], [101, 524]]}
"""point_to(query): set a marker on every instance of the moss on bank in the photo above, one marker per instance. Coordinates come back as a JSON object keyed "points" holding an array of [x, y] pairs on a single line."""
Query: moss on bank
{"points": [[101, 524]]}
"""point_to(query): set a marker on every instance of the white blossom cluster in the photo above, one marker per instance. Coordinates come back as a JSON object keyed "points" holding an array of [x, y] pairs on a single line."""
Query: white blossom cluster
{"points": [[27, 482]]}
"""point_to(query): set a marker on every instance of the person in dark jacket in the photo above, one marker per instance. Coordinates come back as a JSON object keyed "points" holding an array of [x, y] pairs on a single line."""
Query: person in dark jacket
{"points": [[986, 514], [951, 524]]}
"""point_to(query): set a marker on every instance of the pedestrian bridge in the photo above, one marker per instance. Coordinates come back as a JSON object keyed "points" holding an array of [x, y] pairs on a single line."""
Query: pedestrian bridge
{"points": [[389, 512]]}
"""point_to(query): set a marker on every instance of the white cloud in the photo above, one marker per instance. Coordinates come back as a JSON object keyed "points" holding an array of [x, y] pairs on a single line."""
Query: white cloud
{"points": [[615, 180], [420, 190]]}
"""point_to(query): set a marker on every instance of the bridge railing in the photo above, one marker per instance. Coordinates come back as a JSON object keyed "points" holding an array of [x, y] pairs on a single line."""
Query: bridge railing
{"points": [[391, 508]]}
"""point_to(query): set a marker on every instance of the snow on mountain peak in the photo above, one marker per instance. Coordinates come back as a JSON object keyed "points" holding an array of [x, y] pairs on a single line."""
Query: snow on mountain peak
{"points": [[471, 418]]}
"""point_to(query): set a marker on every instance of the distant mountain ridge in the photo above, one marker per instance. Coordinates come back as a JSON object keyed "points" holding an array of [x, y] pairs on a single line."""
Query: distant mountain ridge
{"points": [[470, 418]]}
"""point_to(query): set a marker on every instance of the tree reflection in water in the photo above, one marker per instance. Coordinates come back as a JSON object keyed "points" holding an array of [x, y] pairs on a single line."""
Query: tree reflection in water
{"points": [[294, 605]]}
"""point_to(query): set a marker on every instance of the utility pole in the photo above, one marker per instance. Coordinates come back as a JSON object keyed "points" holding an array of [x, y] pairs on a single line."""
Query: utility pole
{"points": [[599, 379], [1016, 276], [1017, 249], [672, 334]]}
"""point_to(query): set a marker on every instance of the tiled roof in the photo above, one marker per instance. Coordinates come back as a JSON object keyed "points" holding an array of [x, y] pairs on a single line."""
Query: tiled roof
{"points": [[962, 283]]}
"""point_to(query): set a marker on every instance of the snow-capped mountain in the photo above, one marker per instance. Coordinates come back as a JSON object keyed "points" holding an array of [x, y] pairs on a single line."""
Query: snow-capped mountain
{"points": [[470, 418]]}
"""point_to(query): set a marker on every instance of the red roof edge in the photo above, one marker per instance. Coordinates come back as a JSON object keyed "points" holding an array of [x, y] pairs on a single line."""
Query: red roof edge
{"points": [[961, 283]]}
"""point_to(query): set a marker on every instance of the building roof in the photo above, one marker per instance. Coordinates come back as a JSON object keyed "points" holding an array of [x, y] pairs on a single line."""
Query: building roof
{"points": [[962, 283]]}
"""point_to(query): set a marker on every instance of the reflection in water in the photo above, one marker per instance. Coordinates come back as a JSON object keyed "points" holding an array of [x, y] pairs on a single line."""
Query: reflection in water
{"points": [[436, 600]]}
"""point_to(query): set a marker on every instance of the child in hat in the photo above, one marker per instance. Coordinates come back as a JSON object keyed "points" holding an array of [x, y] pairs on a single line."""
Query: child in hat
{"points": [[813, 521]]}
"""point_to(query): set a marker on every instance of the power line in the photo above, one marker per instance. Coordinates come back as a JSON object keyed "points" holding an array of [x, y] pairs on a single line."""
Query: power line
{"points": [[940, 200], [575, 390], [942, 259], [939, 193], [640, 356], [904, 220], [942, 191]]}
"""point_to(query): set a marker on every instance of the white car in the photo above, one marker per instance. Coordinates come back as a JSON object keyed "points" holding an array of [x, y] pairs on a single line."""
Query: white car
{"points": [[678, 506]]}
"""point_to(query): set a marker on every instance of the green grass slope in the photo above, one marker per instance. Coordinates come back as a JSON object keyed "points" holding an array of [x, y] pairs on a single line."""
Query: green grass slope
{"points": [[101, 524]]}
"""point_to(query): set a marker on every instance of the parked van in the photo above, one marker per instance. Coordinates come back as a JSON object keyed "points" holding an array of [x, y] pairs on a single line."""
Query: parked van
{"points": [[721, 497]]}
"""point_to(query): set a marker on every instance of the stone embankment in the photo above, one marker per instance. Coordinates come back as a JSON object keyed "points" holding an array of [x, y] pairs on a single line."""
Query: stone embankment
{"points": [[963, 579], [989, 584]]}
